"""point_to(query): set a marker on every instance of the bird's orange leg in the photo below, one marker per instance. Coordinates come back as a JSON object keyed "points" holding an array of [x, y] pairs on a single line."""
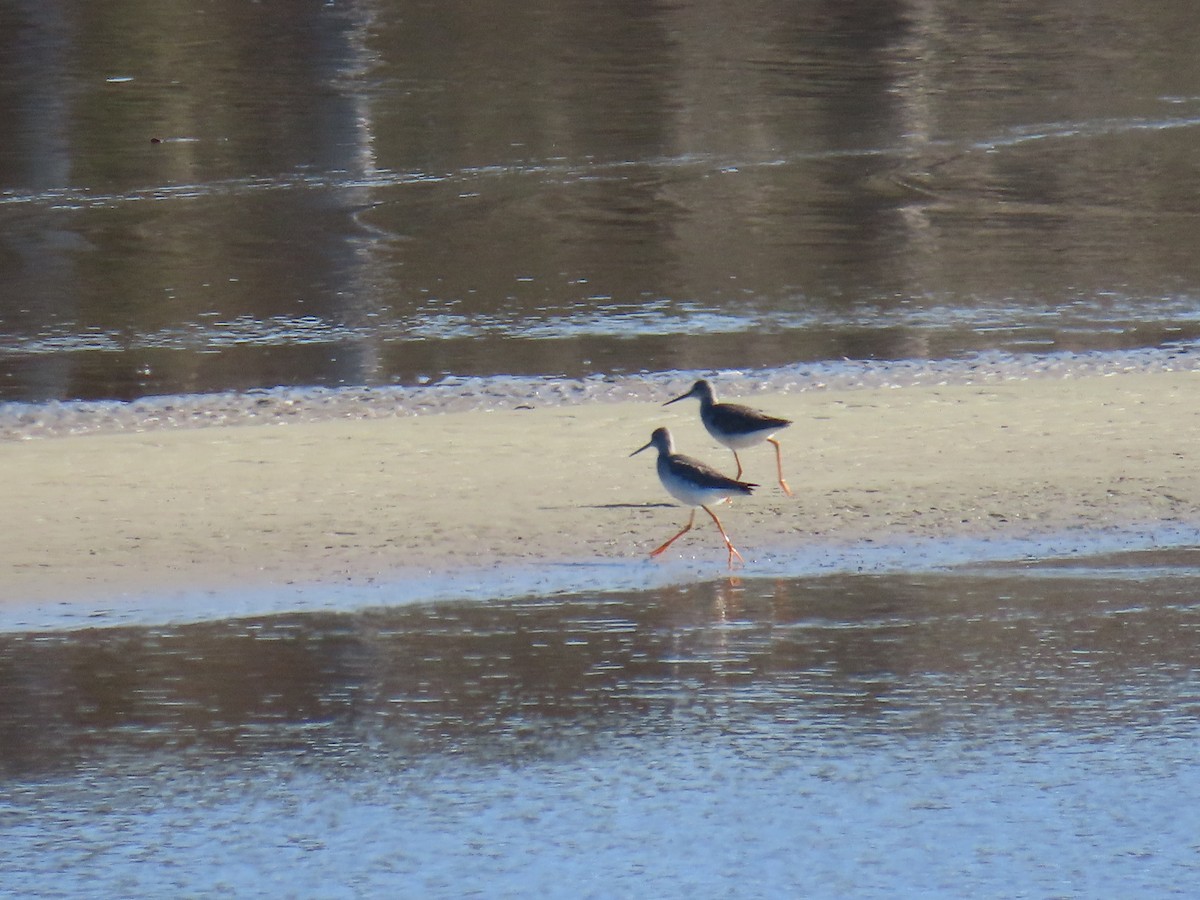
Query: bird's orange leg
{"points": [[739, 462], [779, 464], [728, 543], [686, 529]]}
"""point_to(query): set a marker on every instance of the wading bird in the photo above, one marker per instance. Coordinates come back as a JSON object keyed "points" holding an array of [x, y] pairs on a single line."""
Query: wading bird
{"points": [[737, 427], [695, 484]]}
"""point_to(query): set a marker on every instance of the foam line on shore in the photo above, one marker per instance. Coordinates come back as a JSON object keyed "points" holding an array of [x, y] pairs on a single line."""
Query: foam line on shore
{"points": [[25, 421]]}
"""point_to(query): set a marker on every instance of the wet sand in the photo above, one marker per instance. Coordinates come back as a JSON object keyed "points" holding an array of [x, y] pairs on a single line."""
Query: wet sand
{"points": [[102, 516]]}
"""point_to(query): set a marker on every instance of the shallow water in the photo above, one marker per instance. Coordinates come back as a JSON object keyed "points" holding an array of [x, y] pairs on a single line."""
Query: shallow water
{"points": [[382, 196], [384, 192], [1023, 731]]}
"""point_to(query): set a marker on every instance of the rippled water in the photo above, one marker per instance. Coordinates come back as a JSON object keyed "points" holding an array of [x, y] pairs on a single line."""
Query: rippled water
{"points": [[1012, 732], [206, 200], [383, 192]]}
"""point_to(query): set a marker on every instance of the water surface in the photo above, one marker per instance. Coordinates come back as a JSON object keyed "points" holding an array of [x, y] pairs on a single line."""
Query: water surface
{"points": [[386, 191], [1023, 731], [380, 194]]}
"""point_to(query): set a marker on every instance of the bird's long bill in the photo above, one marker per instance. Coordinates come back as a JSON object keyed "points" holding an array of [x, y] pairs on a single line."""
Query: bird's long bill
{"points": [[677, 399], [640, 449]]}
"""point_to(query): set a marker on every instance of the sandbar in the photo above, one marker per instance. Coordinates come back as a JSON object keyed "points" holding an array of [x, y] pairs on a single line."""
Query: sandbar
{"points": [[94, 517]]}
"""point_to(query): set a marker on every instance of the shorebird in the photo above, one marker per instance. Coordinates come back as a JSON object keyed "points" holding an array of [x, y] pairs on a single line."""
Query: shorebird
{"points": [[693, 483], [737, 426]]}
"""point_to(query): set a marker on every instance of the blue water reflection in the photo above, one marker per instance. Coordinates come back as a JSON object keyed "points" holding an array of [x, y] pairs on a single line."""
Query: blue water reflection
{"points": [[1005, 733]]}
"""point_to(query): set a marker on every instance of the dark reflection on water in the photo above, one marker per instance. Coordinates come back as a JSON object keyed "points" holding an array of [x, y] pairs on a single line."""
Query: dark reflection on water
{"points": [[1005, 733], [526, 678], [388, 190]]}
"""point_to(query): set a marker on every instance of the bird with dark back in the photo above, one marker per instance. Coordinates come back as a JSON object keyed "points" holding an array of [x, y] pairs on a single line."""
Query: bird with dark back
{"points": [[695, 484]]}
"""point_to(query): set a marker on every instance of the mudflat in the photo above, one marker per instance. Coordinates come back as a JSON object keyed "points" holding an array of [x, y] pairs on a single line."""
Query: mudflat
{"points": [[99, 515]]}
